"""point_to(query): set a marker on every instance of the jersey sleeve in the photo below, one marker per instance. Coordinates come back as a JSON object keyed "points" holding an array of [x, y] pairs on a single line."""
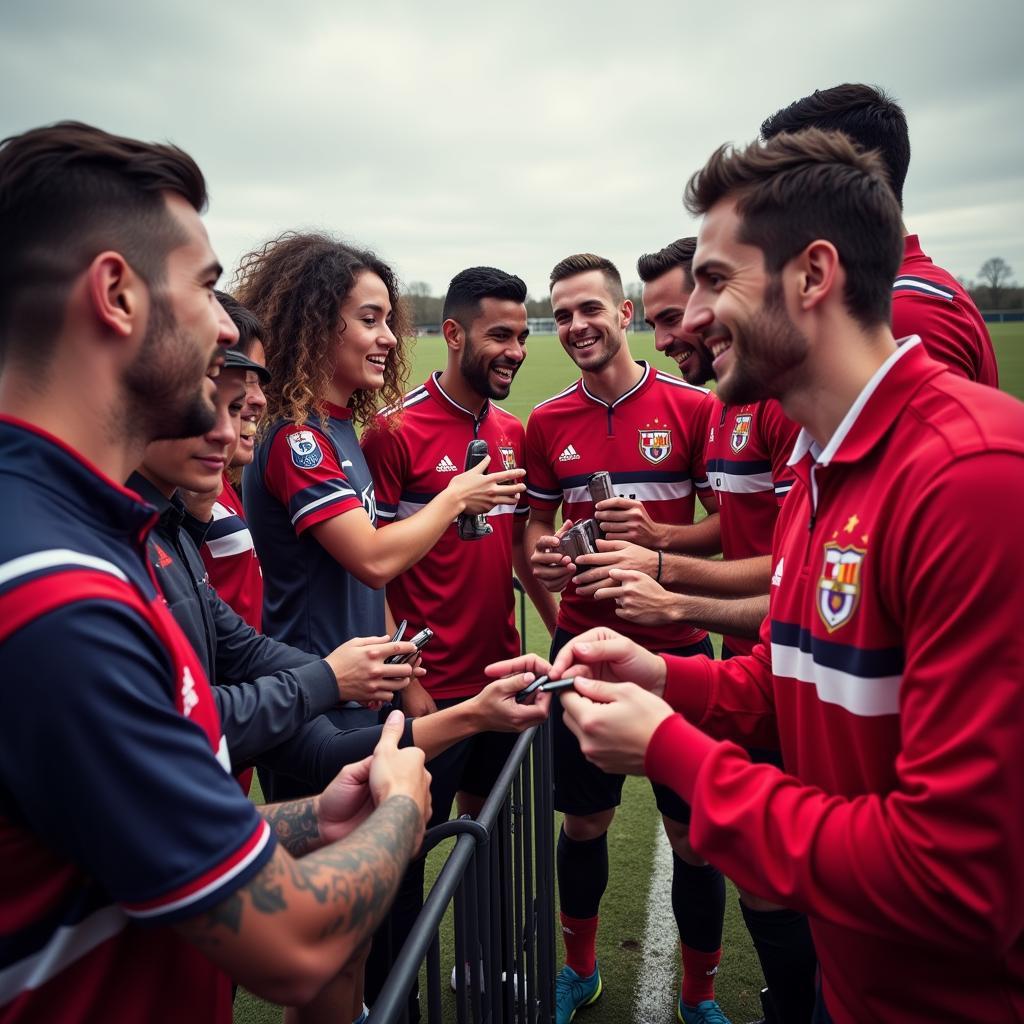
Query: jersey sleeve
{"points": [[947, 333], [102, 767], [388, 462], [936, 860], [708, 408], [542, 488], [779, 433], [519, 444], [303, 474]]}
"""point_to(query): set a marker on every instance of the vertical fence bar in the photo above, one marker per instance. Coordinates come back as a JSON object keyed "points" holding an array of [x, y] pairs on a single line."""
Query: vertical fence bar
{"points": [[434, 980]]}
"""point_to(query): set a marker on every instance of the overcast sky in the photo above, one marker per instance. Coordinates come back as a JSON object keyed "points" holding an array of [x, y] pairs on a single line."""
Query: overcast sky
{"points": [[450, 133]]}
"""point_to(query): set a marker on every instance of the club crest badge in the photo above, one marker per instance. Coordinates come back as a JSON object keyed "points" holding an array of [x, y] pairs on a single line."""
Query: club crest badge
{"points": [[840, 584], [508, 456], [741, 432], [656, 445], [306, 453]]}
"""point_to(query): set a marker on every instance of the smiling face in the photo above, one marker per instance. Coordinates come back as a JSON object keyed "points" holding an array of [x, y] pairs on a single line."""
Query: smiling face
{"points": [[252, 410], [738, 311], [665, 300], [166, 387], [495, 347], [366, 341], [197, 463], [591, 324]]}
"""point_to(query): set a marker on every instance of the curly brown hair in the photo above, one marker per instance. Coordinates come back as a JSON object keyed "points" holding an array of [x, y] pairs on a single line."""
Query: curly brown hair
{"points": [[296, 285]]}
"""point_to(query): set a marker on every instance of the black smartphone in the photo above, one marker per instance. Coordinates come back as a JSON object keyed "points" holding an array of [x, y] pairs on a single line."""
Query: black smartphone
{"points": [[420, 640], [400, 632], [542, 684]]}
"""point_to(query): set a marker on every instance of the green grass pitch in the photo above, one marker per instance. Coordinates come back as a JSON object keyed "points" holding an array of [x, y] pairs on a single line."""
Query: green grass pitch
{"points": [[632, 838]]}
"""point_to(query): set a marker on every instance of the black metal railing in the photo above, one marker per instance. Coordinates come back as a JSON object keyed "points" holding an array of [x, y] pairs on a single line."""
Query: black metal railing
{"points": [[500, 875]]}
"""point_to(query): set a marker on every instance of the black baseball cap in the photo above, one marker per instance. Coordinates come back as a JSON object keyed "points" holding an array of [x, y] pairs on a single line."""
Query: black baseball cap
{"points": [[233, 359]]}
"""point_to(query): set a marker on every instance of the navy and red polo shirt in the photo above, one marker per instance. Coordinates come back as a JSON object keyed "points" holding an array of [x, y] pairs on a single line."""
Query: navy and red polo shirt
{"points": [[891, 670], [931, 303], [117, 809], [461, 589], [302, 476], [651, 440], [747, 457]]}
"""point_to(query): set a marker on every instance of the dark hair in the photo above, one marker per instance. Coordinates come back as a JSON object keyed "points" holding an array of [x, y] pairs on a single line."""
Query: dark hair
{"points": [[248, 323], [676, 254], [68, 192], [296, 285], [812, 185], [583, 262], [873, 119], [469, 287]]}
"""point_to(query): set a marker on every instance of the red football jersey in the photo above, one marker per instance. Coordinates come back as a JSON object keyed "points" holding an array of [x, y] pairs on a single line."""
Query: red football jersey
{"points": [[651, 441], [746, 456], [230, 558], [931, 303], [461, 589], [890, 669]]}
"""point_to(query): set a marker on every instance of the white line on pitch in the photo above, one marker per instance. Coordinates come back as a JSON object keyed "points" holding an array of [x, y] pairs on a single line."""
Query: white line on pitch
{"points": [[656, 983]]}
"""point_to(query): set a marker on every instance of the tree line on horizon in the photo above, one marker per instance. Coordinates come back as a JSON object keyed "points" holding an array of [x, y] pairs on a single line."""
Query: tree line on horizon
{"points": [[995, 289]]}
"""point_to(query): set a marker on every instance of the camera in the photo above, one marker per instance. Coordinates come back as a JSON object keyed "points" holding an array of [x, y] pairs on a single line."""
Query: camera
{"points": [[579, 539], [420, 640], [600, 487]]}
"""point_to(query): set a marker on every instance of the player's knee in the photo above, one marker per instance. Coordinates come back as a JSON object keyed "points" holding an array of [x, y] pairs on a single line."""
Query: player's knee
{"points": [[583, 827], [679, 839], [752, 902]]}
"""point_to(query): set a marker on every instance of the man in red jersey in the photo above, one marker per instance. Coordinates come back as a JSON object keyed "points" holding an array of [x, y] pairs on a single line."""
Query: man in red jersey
{"points": [[746, 454], [647, 430], [135, 873], [926, 300], [890, 662]]}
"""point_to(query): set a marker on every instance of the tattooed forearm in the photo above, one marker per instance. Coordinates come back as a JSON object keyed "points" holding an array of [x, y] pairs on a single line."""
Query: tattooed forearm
{"points": [[295, 825]]}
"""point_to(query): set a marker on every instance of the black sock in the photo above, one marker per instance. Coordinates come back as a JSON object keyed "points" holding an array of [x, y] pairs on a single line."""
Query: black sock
{"points": [[582, 875], [698, 902], [784, 946]]}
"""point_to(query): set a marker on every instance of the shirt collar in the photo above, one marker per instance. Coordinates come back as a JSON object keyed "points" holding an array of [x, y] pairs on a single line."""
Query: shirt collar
{"points": [[912, 248], [95, 495], [171, 511], [338, 412], [638, 388], [433, 386], [875, 409]]}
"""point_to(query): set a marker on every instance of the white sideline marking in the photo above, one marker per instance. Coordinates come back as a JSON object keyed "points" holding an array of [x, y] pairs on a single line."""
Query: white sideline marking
{"points": [[656, 983]]}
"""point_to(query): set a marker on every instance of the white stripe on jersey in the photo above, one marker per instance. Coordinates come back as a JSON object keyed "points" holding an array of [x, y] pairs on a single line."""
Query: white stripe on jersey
{"points": [[662, 490], [416, 395], [68, 944], [741, 483], [913, 284], [38, 560], [200, 894], [333, 496], [561, 394], [233, 544], [410, 508], [864, 697], [667, 378]]}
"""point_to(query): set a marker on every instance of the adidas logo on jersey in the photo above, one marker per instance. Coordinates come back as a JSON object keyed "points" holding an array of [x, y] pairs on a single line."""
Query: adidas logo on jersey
{"points": [[569, 454], [446, 466]]}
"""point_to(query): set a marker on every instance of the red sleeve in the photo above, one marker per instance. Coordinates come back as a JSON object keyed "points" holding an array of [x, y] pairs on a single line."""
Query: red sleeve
{"points": [[519, 444], [388, 461], [937, 859], [779, 433], [708, 407], [948, 334], [304, 475], [542, 488]]}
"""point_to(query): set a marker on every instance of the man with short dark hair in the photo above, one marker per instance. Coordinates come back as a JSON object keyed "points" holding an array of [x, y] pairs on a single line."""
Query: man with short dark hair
{"points": [[886, 669], [116, 803], [646, 429], [926, 300]]}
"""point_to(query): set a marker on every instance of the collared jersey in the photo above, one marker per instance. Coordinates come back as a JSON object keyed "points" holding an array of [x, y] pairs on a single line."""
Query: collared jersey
{"points": [[651, 441], [746, 455], [891, 668], [302, 476], [461, 589], [116, 806], [230, 558], [930, 302]]}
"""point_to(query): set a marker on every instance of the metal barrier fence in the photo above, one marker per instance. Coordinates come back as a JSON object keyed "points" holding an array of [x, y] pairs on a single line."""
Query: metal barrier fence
{"points": [[500, 874]]}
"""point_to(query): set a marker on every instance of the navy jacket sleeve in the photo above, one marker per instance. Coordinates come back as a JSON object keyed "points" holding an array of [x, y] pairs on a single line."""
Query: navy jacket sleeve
{"points": [[265, 690], [98, 762], [319, 750]]}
